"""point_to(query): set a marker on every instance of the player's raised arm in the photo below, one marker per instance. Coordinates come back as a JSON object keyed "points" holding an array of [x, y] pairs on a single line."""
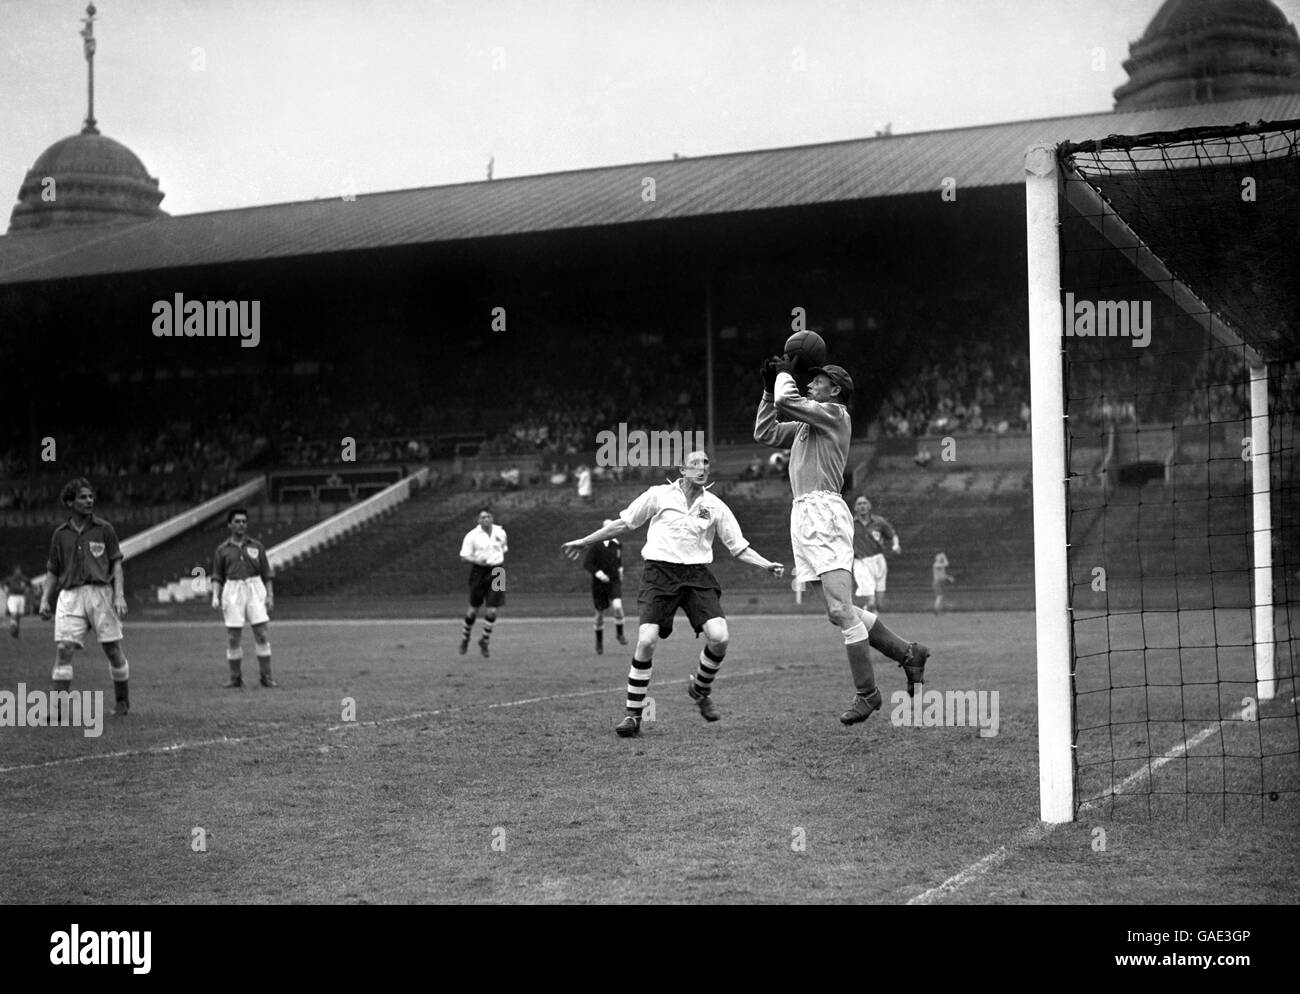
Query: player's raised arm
{"points": [[754, 559], [574, 549], [790, 402], [767, 429], [732, 537]]}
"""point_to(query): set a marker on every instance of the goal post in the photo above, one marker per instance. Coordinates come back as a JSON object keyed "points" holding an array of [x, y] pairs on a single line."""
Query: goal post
{"points": [[1262, 533], [1164, 348], [1046, 411]]}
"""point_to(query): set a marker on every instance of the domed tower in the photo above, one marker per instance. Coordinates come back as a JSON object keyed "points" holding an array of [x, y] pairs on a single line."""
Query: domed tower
{"points": [[85, 179], [1206, 51]]}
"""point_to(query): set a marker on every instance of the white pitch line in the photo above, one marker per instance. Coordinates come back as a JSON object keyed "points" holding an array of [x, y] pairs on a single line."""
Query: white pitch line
{"points": [[453, 622], [1183, 747], [1036, 833], [374, 723]]}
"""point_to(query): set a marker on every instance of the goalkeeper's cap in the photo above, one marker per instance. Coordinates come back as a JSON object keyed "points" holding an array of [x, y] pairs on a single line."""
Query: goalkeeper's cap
{"points": [[837, 375]]}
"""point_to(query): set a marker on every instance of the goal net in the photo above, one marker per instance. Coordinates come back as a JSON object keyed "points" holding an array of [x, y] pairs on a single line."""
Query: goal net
{"points": [[1165, 351]]}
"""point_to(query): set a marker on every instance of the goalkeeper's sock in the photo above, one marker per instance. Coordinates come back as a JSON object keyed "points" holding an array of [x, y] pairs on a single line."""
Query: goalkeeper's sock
{"points": [[856, 645], [710, 663], [600, 639], [487, 629], [887, 643], [235, 660], [618, 630], [467, 627], [638, 679]]}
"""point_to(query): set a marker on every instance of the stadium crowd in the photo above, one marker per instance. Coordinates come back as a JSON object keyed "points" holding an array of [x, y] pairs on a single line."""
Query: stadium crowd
{"points": [[976, 389]]}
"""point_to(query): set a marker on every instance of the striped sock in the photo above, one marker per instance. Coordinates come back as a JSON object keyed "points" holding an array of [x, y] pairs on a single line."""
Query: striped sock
{"points": [[707, 670], [487, 629], [638, 679], [467, 627]]}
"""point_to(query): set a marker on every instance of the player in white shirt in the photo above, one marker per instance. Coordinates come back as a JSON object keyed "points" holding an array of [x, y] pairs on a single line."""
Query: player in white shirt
{"points": [[484, 549], [684, 518]]}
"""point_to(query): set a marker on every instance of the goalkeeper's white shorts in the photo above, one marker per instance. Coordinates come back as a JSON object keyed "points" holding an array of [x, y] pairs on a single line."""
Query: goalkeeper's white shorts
{"points": [[869, 574], [244, 602], [821, 534]]}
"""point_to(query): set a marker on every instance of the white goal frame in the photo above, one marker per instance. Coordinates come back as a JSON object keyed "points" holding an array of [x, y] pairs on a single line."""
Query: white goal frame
{"points": [[1046, 189]]}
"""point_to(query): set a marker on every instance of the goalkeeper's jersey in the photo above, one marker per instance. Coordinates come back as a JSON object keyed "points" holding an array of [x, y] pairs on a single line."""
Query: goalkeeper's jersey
{"points": [[818, 436]]}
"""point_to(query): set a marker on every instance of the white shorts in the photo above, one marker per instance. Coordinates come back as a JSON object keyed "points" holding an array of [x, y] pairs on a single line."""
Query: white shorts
{"points": [[244, 601], [16, 605], [821, 534], [870, 574], [82, 608]]}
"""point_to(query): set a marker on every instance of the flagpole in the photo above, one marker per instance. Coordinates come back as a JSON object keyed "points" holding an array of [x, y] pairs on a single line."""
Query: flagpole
{"points": [[88, 34]]}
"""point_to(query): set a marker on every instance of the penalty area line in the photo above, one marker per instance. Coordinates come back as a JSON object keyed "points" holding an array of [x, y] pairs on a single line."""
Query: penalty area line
{"points": [[176, 747]]}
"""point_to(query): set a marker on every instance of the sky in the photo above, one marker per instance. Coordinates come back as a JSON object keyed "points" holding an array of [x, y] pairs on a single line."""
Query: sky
{"points": [[232, 103]]}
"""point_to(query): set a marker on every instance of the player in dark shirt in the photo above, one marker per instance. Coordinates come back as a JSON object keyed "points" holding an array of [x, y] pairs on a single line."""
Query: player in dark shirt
{"points": [[84, 560], [604, 561], [873, 536], [242, 591]]}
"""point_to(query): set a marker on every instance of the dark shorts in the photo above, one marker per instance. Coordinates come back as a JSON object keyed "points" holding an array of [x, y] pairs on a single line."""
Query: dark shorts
{"points": [[481, 586], [603, 593], [667, 586]]}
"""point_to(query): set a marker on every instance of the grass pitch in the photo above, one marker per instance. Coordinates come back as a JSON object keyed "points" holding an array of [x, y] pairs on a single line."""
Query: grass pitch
{"points": [[500, 780]]}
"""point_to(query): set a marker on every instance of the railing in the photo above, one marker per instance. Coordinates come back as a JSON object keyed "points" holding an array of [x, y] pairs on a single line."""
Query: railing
{"points": [[169, 529], [304, 543]]}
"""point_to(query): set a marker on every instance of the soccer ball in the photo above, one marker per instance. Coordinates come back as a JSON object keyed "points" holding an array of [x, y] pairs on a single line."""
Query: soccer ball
{"points": [[807, 345]]}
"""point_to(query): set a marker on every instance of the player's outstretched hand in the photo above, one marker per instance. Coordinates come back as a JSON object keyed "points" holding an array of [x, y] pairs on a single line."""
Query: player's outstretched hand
{"points": [[777, 570], [119, 605], [768, 371], [46, 611], [573, 549], [602, 576]]}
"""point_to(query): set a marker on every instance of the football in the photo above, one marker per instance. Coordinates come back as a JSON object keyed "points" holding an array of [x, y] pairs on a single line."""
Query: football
{"points": [[808, 346]]}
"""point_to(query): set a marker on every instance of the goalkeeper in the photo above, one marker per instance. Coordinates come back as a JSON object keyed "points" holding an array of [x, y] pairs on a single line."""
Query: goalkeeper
{"points": [[821, 527]]}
